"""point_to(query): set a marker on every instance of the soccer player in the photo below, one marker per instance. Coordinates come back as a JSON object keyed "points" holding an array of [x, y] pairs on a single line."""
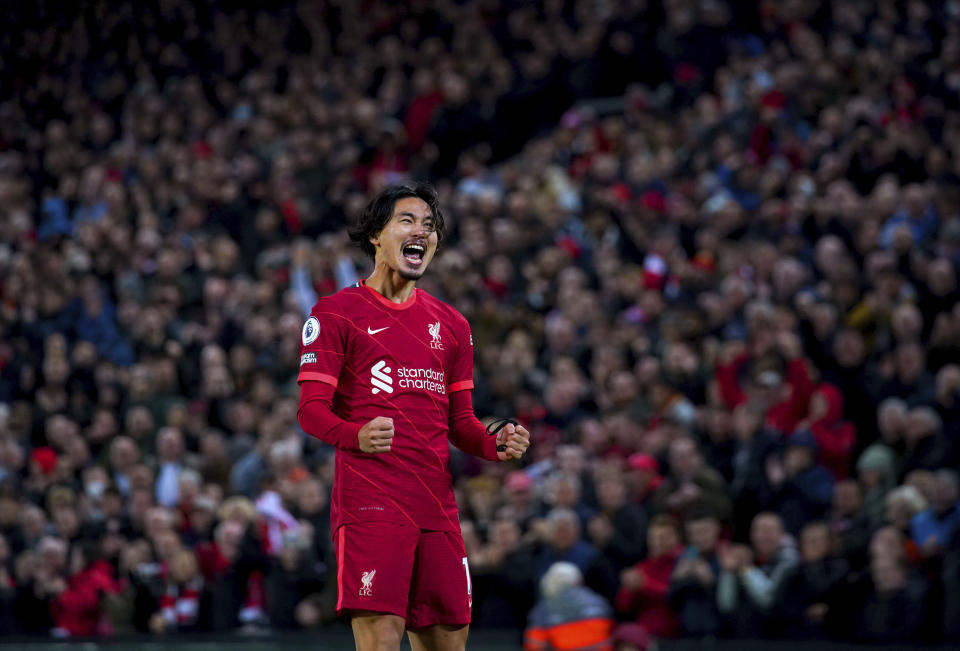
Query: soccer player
{"points": [[385, 376]]}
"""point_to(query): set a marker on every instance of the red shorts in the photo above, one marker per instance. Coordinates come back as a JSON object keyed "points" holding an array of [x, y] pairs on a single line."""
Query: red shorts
{"points": [[419, 575]]}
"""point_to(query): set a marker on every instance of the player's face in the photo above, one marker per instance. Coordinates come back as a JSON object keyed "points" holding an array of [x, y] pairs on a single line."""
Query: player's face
{"points": [[408, 241]]}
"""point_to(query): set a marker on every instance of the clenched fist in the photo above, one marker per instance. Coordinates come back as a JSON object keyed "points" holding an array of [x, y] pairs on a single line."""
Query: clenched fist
{"points": [[376, 436], [515, 439]]}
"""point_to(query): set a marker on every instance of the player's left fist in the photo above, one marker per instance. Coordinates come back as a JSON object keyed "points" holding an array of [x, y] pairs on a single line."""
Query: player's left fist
{"points": [[512, 442]]}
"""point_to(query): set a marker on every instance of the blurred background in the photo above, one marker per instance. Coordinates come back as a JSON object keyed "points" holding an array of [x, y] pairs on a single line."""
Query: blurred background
{"points": [[708, 250]]}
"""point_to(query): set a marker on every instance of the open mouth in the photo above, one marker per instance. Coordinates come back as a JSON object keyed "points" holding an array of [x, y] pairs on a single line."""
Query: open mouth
{"points": [[413, 253]]}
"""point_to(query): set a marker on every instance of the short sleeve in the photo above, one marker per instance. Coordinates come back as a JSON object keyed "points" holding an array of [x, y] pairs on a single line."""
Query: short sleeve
{"points": [[323, 343], [461, 372]]}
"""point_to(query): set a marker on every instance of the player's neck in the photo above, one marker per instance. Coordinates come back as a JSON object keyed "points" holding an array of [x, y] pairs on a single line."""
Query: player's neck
{"points": [[391, 284]]}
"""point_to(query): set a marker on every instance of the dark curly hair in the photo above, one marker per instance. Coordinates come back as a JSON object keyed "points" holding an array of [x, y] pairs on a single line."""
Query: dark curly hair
{"points": [[380, 209]]}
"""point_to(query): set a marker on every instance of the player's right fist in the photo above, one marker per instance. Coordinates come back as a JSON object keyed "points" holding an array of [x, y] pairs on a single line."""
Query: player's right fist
{"points": [[376, 436]]}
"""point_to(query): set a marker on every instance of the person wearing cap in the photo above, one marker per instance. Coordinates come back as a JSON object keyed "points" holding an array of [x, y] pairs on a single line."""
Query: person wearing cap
{"points": [[43, 466], [569, 616], [876, 472], [642, 477]]}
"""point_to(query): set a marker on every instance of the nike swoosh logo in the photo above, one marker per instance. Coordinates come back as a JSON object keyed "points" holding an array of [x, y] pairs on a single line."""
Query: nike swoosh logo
{"points": [[373, 332]]}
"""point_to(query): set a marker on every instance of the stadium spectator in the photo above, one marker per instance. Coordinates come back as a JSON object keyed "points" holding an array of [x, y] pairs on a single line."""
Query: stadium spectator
{"points": [[849, 524], [76, 608], [619, 530], [693, 585], [797, 487], [644, 587], [932, 528], [807, 598], [503, 581], [690, 483], [893, 611], [752, 577], [835, 437], [876, 470], [562, 542], [568, 615]]}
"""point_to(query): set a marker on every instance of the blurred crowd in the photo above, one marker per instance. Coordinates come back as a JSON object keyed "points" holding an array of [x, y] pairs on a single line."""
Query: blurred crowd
{"points": [[725, 304]]}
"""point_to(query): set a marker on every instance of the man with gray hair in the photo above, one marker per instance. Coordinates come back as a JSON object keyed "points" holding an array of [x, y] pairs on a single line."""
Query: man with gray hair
{"points": [[563, 542], [932, 528], [569, 615], [892, 420]]}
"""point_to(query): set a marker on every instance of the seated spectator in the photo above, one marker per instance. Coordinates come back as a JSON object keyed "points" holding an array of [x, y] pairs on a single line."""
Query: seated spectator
{"points": [[924, 481], [692, 593], [562, 542], [903, 504], [568, 616], [503, 580], [924, 446], [644, 587], [295, 575], [520, 497], [894, 610], [716, 435], [228, 566], [180, 601], [170, 453], [783, 389], [876, 472], [797, 487], [911, 381], [755, 443], [41, 579], [835, 437], [807, 595], [140, 586], [77, 609], [932, 528], [948, 408], [313, 509], [751, 579], [642, 478], [690, 482], [950, 575], [892, 421], [619, 530], [849, 527], [563, 491]]}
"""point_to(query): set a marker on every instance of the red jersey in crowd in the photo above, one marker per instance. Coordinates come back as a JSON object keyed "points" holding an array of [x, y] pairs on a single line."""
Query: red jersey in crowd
{"points": [[649, 604]]}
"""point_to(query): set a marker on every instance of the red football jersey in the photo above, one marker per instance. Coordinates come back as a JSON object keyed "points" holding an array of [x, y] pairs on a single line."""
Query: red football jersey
{"points": [[400, 360]]}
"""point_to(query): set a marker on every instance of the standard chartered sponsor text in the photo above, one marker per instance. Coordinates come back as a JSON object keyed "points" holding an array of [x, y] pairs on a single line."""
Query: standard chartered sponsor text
{"points": [[427, 379]]}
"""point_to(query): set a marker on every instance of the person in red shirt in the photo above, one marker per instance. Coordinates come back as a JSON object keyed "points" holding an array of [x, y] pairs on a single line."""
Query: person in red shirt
{"points": [[385, 376], [836, 437], [644, 587], [77, 610]]}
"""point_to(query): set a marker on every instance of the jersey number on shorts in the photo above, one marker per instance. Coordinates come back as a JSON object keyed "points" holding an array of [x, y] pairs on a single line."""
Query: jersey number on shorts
{"points": [[466, 568]]}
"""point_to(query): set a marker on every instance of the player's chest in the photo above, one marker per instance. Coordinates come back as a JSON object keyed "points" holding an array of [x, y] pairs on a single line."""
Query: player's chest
{"points": [[414, 335], [393, 349]]}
